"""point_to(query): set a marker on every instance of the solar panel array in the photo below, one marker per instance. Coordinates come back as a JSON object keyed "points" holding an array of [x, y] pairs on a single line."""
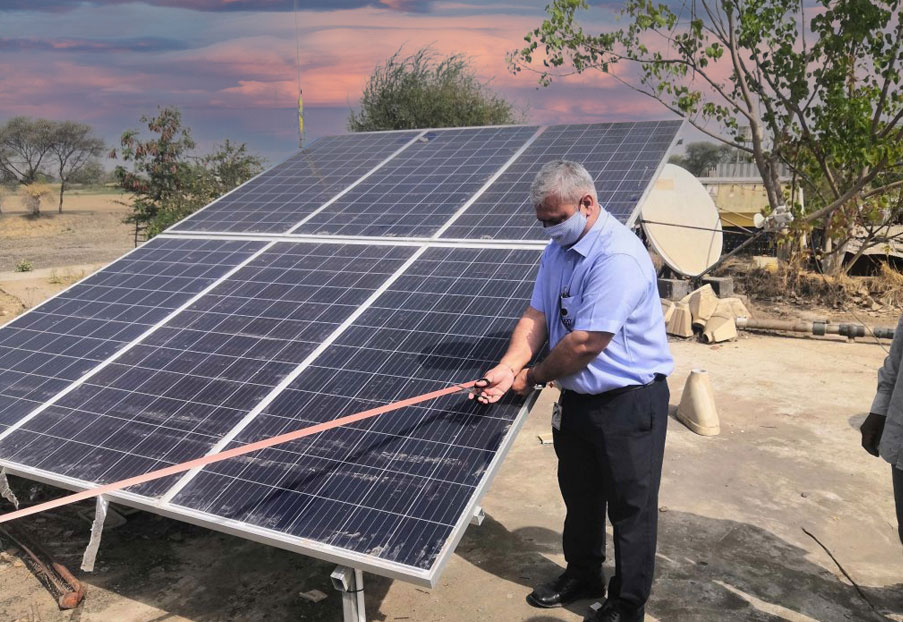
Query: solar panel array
{"points": [[366, 269], [275, 201]]}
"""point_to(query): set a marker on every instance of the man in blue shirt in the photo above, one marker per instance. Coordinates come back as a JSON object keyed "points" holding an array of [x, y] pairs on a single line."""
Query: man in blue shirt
{"points": [[596, 302]]}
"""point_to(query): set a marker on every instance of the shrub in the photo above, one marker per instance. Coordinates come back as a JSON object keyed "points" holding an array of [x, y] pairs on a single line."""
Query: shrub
{"points": [[32, 195]]}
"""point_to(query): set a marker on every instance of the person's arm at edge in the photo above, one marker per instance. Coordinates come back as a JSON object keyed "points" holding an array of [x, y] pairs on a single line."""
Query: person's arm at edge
{"points": [[873, 426], [526, 340]]}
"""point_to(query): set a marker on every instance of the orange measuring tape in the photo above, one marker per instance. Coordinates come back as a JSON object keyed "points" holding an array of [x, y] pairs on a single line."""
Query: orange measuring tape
{"points": [[231, 453]]}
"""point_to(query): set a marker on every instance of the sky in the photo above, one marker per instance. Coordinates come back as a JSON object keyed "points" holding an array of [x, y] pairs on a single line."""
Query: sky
{"points": [[233, 66]]}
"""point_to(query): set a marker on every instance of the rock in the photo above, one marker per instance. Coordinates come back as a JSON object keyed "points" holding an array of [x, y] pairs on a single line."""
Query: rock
{"points": [[765, 263], [731, 307], [313, 596]]}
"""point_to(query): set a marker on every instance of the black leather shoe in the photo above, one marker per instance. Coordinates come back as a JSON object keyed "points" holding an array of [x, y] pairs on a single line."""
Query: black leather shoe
{"points": [[613, 610], [564, 590]]}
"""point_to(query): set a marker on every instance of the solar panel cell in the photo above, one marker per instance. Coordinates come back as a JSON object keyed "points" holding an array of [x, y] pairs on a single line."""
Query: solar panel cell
{"points": [[418, 190], [171, 397], [43, 351], [621, 157], [410, 471], [282, 196]]}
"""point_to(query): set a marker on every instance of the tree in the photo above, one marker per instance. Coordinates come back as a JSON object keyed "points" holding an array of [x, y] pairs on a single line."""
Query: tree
{"points": [[91, 174], [702, 156], [168, 182], [160, 172], [424, 90], [820, 95], [73, 147], [24, 143], [211, 176]]}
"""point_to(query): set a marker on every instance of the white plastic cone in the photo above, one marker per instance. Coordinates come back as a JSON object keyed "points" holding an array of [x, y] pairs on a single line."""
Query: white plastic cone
{"points": [[697, 405]]}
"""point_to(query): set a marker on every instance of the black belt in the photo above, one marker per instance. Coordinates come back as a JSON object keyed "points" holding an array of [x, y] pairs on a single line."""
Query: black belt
{"points": [[613, 392]]}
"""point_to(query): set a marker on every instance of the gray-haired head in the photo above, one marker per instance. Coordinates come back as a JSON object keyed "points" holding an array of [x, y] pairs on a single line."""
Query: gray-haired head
{"points": [[564, 179]]}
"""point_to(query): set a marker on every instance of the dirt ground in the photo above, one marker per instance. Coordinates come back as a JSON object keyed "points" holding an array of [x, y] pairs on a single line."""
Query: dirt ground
{"points": [[768, 522], [733, 511], [90, 230]]}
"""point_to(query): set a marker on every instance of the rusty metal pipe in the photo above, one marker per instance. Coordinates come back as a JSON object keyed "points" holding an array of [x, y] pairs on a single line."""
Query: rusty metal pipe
{"points": [[68, 590], [815, 328]]}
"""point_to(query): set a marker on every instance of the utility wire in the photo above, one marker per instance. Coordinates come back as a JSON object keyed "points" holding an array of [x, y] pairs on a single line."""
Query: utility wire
{"points": [[672, 224]]}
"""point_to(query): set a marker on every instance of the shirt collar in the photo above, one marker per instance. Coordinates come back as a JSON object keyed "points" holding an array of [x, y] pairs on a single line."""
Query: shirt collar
{"points": [[585, 244]]}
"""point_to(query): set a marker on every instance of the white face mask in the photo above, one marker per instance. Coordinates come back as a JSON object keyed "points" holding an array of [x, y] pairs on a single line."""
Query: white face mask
{"points": [[569, 231]]}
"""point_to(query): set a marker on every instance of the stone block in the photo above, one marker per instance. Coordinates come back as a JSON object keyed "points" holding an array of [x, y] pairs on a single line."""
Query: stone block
{"points": [[673, 289], [723, 286]]}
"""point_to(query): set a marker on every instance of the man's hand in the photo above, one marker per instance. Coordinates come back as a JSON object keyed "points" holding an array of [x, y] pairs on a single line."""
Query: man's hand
{"points": [[494, 385], [523, 385], [872, 429]]}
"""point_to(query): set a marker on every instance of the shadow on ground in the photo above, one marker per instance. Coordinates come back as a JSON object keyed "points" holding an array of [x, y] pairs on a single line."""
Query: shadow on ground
{"points": [[166, 568], [708, 570]]}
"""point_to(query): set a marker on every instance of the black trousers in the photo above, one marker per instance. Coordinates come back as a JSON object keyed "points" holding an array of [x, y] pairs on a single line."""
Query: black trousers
{"points": [[610, 450], [897, 476]]}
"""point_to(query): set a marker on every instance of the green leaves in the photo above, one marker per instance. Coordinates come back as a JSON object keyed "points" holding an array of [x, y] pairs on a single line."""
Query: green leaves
{"points": [[814, 88], [168, 182], [425, 90]]}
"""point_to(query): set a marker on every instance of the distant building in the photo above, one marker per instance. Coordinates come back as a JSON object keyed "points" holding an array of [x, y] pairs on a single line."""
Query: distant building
{"points": [[739, 194]]}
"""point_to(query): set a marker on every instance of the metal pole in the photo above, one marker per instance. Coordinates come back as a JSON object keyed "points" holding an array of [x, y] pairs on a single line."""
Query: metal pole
{"points": [[350, 582]]}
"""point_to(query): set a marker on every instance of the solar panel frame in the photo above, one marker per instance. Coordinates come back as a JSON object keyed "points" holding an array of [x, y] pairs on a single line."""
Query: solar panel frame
{"points": [[314, 548], [342, 557]]}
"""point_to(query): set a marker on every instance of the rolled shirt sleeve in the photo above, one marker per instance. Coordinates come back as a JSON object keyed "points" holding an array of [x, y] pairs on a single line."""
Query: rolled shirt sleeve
{"points": [[613, 289]]}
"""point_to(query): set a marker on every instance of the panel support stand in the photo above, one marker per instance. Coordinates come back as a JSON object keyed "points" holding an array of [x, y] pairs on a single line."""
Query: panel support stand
{"points": [[5, 491], [478, 516], [350, 582], [100, 515]]}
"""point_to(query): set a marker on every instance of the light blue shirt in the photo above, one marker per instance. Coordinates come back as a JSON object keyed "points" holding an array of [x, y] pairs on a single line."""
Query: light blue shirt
{"points": [[609, 285]]}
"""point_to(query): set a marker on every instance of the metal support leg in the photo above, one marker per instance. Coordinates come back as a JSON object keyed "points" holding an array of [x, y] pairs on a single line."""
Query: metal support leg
{"points": [[350, 582]]}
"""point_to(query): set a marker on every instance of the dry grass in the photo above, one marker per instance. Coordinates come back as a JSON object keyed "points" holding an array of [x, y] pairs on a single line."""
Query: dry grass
{"points": [[90, 230], [791, 282]]}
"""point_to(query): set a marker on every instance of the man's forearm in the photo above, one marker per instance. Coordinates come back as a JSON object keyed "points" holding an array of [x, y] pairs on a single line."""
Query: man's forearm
{"points": [[526, 340], [571, 355]]}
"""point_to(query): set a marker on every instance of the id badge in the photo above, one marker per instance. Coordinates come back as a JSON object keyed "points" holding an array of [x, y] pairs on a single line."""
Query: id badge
{"points": [[556, 416]]}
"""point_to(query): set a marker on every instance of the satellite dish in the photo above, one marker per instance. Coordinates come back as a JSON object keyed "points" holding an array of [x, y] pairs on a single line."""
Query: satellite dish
{"points": [[682, 223]]}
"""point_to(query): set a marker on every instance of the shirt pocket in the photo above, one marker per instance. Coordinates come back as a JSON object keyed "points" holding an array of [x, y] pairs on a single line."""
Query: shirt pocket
{"points": [[567, 310]]}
